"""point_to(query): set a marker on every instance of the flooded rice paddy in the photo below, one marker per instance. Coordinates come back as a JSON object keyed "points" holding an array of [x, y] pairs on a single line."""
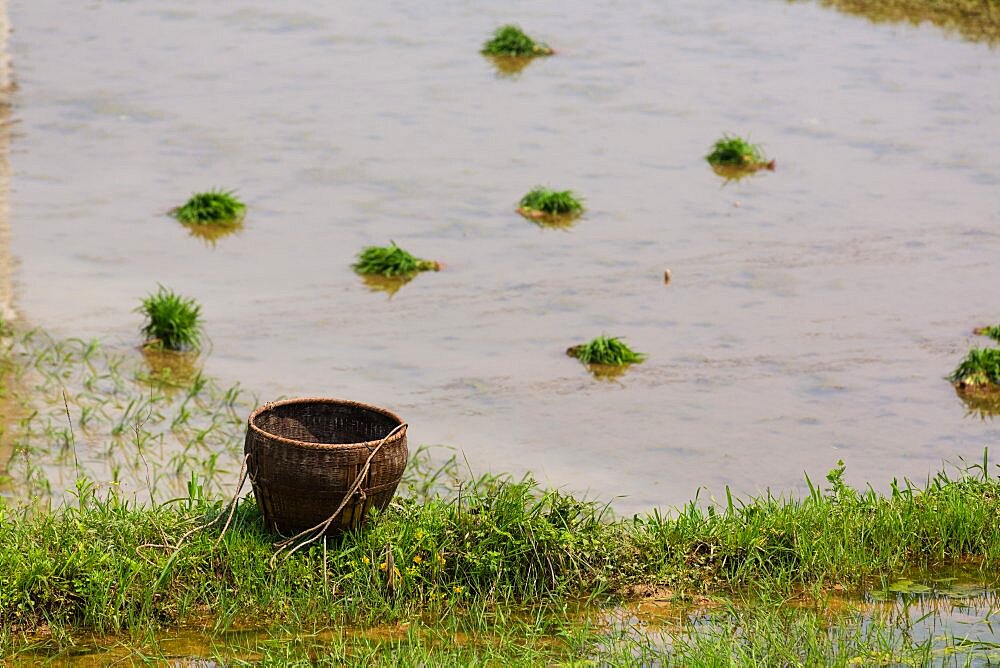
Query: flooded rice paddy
{"points": [[812, 313]]}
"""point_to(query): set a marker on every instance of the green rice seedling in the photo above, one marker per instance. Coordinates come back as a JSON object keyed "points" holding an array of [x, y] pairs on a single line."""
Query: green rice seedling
{"points": [[552, 202], [980, 369], [214, 207], [511, 41], [550, 207], [993, 331], [392, 262], [737, 153], [124, 410], [607, 350], [172, 322]]}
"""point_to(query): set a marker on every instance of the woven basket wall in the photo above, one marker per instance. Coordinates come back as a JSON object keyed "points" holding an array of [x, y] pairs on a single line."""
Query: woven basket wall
{"points": [[305, 454]]}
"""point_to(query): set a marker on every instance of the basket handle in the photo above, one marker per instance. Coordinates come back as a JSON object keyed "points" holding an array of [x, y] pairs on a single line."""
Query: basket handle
{"points": [[321, 528]]}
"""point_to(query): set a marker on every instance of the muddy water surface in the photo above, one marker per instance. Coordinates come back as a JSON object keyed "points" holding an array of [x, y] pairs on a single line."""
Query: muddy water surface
{"points": [[812, 314]]}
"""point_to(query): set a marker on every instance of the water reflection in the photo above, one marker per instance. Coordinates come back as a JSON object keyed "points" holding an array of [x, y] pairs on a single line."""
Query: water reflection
{"points": [[976, 20], [981, 402], [944, 616], [509, 66], [608, 372], [556, 221], [170, 370], [953, 609], [730, 173], [210, 234], [387, 284]]}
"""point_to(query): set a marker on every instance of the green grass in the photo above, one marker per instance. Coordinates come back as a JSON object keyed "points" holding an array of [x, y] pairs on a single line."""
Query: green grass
{"points": [[607, 350], [506, 543], [551, 202], [492, 544], [980, 368], [511, 41], [392, 262], [172, 322], [733, 151], [992, 331], [214, 207]]}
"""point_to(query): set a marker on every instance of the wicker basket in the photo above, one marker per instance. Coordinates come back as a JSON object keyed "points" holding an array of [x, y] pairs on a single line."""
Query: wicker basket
{"points": [[304, 455]]}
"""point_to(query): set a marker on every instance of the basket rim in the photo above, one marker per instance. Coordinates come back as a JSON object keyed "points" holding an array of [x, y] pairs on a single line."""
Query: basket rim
{"points": [[271, 405]]}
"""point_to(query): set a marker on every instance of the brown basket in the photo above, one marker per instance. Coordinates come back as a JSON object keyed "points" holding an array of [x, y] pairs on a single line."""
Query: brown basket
{"points": [[304, 455]]}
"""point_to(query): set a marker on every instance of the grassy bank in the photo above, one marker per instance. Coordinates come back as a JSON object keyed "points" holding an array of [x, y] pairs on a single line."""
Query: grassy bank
{"points": [[105, 565]]}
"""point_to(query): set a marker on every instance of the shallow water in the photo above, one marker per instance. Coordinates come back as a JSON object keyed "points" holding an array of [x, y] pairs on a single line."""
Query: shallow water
{"points": [[954, 612], [812, 313]]}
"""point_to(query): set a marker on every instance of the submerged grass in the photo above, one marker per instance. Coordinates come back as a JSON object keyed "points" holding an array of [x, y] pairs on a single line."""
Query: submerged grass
{"points": [[144, 420], [391, 262], [511, 41], [979, 369], [172, 322], [214, 207], [606, 350]]}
